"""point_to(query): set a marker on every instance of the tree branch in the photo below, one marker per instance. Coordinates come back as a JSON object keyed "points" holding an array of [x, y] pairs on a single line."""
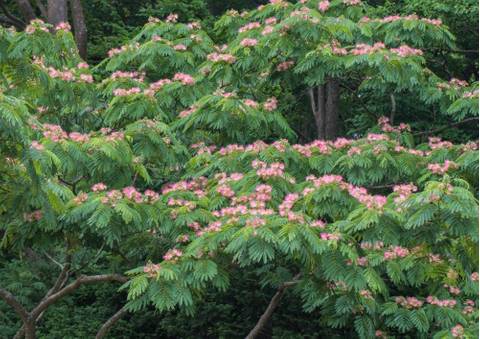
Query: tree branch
{"points": [[110, 322], [271, 308], [10, 299], [19, 24], [72, 287], [445, 127]]}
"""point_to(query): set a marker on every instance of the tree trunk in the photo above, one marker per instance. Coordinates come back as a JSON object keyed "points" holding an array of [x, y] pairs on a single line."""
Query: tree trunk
{"points": [[332, 101], [57, 11], [26, 9], [29, 328], [79, 27], [318, 109]]}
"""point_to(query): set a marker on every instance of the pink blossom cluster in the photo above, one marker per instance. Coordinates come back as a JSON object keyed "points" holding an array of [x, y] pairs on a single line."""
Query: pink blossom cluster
{"points": [[450, 303], [361, 261], [267, 30], [202, 148], [180, 47], [406, 51], [54, 132], [151, 269], [187, 112], [393, 18], [255, 222], [323, 6], [121, 92], [140, 77], [285, 208], [249, 26], [363, 49], [329, 236], [250, 103], [190, 205], [184, 78], [452, 289], [285, 65], [318, 224], [219, 57], [267, 171], [409, 302], [457, 331], [383, 122], [130, 193], [99, 187], [33, 216], [37, 146], [35, 25], [80, 198], [377, 245], [172, 18], [352, 2], [248, 42], [377, 137], [403, 191], [270, 104], [172, 254], [434, 258], [441, 168], [437, 143], [63, 26], [116, 51], [194, 25], [396, 252], [469, 308], [225, 190], [196, 185], [470, 95], [474, 276]]}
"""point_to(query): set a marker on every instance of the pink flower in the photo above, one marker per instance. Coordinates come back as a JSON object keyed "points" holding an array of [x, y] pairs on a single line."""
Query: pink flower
{"points": [[151, 269], [36, 145], [405, 51], [270, 104], [88, 78], [172, 17], [283, 66], [184, 78], [180, 47], [457, 331], [248, 42], [323, 6], [474, 276], [249, 26], [82, 65], [250, 103], [64, 26], [99, 187], [78, 137], [352, 2], [80, 198]]}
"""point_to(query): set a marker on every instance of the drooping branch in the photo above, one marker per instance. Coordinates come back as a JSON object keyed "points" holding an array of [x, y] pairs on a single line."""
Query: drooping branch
{"points": [[82, 280], [274, 302], [110, 322]]}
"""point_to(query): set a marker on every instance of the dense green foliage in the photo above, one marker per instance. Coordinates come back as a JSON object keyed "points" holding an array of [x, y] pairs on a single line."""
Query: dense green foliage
{"points": [[174, 161]]}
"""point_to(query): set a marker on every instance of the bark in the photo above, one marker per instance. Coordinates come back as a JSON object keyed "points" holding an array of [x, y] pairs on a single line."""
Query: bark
{"points": [[26, 9], [110, 322], [79, 27], [332, 101], [274, 302], [57, 11], [394, 108], [317, 103], [29, 319]]}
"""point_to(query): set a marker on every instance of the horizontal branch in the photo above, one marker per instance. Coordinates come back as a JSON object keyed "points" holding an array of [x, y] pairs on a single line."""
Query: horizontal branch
{"points": [[445, 127]]}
